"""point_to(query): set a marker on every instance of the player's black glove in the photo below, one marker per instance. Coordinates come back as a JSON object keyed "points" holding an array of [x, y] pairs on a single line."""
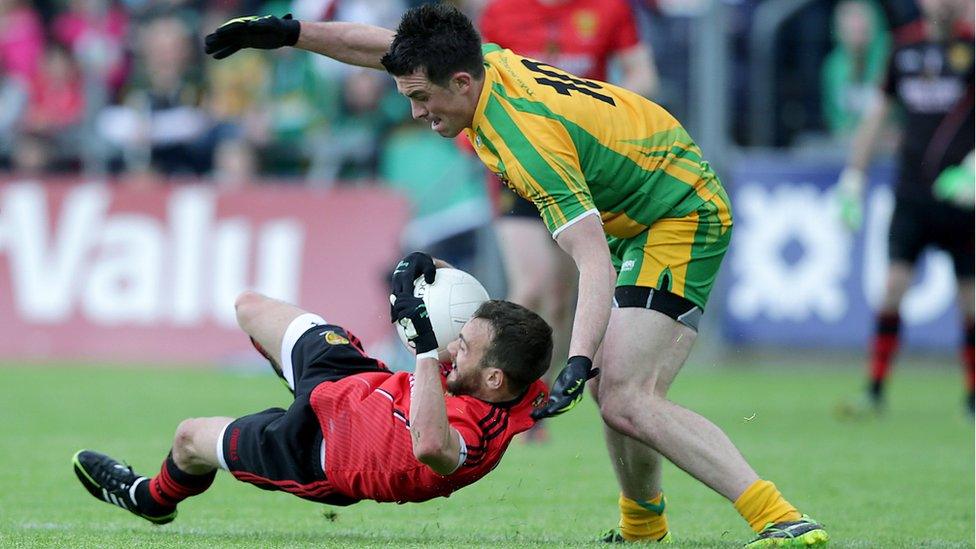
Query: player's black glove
{"points": [[409, 268], [265, 32], [568, 388], [411, 313]]}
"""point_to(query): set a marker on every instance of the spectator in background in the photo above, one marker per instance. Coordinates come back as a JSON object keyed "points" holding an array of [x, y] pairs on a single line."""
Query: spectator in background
{"points": [[173, 95], [30, 155], [359, 111], [57, 106], [235, 164], [364, 116], [299, 103], [21, 49], [854, 68], [21, 39], [14, 97], [582, 37], [96, 31], [443, 185], [930, 78], [237, 102], [162, 125]]}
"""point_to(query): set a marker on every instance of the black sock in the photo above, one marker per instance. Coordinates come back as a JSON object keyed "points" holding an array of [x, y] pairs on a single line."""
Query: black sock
{"points": [[147, 505], [876, 390]]}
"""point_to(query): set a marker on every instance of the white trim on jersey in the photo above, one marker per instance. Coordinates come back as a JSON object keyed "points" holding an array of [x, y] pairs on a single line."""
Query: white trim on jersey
{"points": [[462, 454], [220, 449], [322, 453], [574, 221], [301, 324]]}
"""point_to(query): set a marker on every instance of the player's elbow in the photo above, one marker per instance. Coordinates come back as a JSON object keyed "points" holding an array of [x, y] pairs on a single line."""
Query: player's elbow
{"points": [[436, 456]]}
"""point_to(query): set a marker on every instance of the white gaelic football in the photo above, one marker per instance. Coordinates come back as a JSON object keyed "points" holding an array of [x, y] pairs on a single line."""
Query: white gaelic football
{"points": [[451, 301]]}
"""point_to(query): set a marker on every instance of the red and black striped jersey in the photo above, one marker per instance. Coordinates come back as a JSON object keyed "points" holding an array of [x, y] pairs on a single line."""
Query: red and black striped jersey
{"points": [[365, 422], [932, 80]]}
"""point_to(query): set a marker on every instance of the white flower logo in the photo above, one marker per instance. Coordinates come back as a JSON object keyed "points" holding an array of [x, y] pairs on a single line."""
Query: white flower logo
{"points": [[770, 222]]}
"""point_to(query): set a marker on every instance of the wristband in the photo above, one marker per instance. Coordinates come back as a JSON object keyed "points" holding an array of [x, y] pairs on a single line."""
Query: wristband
{"points": [[432, 354], [580, 359], [292, 29]]}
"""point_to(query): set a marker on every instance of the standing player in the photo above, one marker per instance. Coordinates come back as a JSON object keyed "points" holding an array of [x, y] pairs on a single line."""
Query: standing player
{"points": [[581, 37], [620, 185], [930, 77], [355, 429]]}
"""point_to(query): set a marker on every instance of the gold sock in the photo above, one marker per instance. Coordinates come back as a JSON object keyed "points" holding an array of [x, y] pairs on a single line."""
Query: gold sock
{"points": [[642, 519], [762, 504]]}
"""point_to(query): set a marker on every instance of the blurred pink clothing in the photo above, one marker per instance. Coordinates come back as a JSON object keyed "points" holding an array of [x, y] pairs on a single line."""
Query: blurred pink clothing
{"points": [[21, 42], [72, 28]]}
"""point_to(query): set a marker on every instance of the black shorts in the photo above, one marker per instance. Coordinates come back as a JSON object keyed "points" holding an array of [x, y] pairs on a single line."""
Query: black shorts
{"points": [[919, 223], [513, 205], [283, 449], [661, 300]]}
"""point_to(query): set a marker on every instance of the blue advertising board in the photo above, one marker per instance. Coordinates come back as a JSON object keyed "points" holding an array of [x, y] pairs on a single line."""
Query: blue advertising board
{"points": [[795, 276]]}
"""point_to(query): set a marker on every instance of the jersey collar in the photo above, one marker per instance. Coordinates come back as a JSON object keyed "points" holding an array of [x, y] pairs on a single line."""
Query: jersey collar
{"points": [[491, 76]]}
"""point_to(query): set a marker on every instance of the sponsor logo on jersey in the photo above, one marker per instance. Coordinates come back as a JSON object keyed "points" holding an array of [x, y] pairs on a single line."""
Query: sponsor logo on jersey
{"points": [[960, 57], [539, 399], [627, 265], [585, 22], [333, 338], [235, 438], [908, 61], [930, 95]]}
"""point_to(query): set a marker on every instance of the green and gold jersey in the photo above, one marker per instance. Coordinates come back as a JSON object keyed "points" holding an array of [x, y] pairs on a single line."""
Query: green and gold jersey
{"points": [[574, 146]]}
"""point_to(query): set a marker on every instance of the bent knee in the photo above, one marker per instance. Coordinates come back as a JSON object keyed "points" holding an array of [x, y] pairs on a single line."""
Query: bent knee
{"points": [[614, 412], [183, 440], [187, 440], [247, 306], [621, 410]]}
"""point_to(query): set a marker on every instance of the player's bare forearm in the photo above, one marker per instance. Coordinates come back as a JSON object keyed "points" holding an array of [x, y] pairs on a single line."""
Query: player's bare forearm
{"points": [[435, 442], [587, 245], [592, 308], [868, 131], [351, 43]]}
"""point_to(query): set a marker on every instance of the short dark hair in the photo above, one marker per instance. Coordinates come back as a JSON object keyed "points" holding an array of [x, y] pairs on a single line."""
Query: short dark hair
{"points": [[438, 39], [521, 342]]}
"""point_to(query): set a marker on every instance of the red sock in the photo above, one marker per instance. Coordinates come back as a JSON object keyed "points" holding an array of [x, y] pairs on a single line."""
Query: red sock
{"points": [[968, 362], [883, 349], [173, 485]]}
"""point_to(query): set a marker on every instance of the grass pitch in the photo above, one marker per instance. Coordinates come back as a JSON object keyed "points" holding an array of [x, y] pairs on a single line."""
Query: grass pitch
{"points": [[903, 481]]}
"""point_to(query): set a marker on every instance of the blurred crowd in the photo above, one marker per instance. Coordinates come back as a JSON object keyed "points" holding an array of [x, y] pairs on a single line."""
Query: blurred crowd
{"points": [[122, 88]]}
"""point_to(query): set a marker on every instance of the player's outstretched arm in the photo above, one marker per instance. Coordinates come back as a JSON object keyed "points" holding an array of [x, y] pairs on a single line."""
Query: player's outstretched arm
{"points": [[350, 43]]}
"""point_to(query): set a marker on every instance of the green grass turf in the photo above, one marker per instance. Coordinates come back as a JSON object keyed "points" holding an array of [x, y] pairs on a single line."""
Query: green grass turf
{"points": [[904, 481]]}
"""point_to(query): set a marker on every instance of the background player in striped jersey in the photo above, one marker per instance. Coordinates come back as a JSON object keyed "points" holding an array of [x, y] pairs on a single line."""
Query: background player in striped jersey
{"points": [[355, 430], [625, 192]]}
